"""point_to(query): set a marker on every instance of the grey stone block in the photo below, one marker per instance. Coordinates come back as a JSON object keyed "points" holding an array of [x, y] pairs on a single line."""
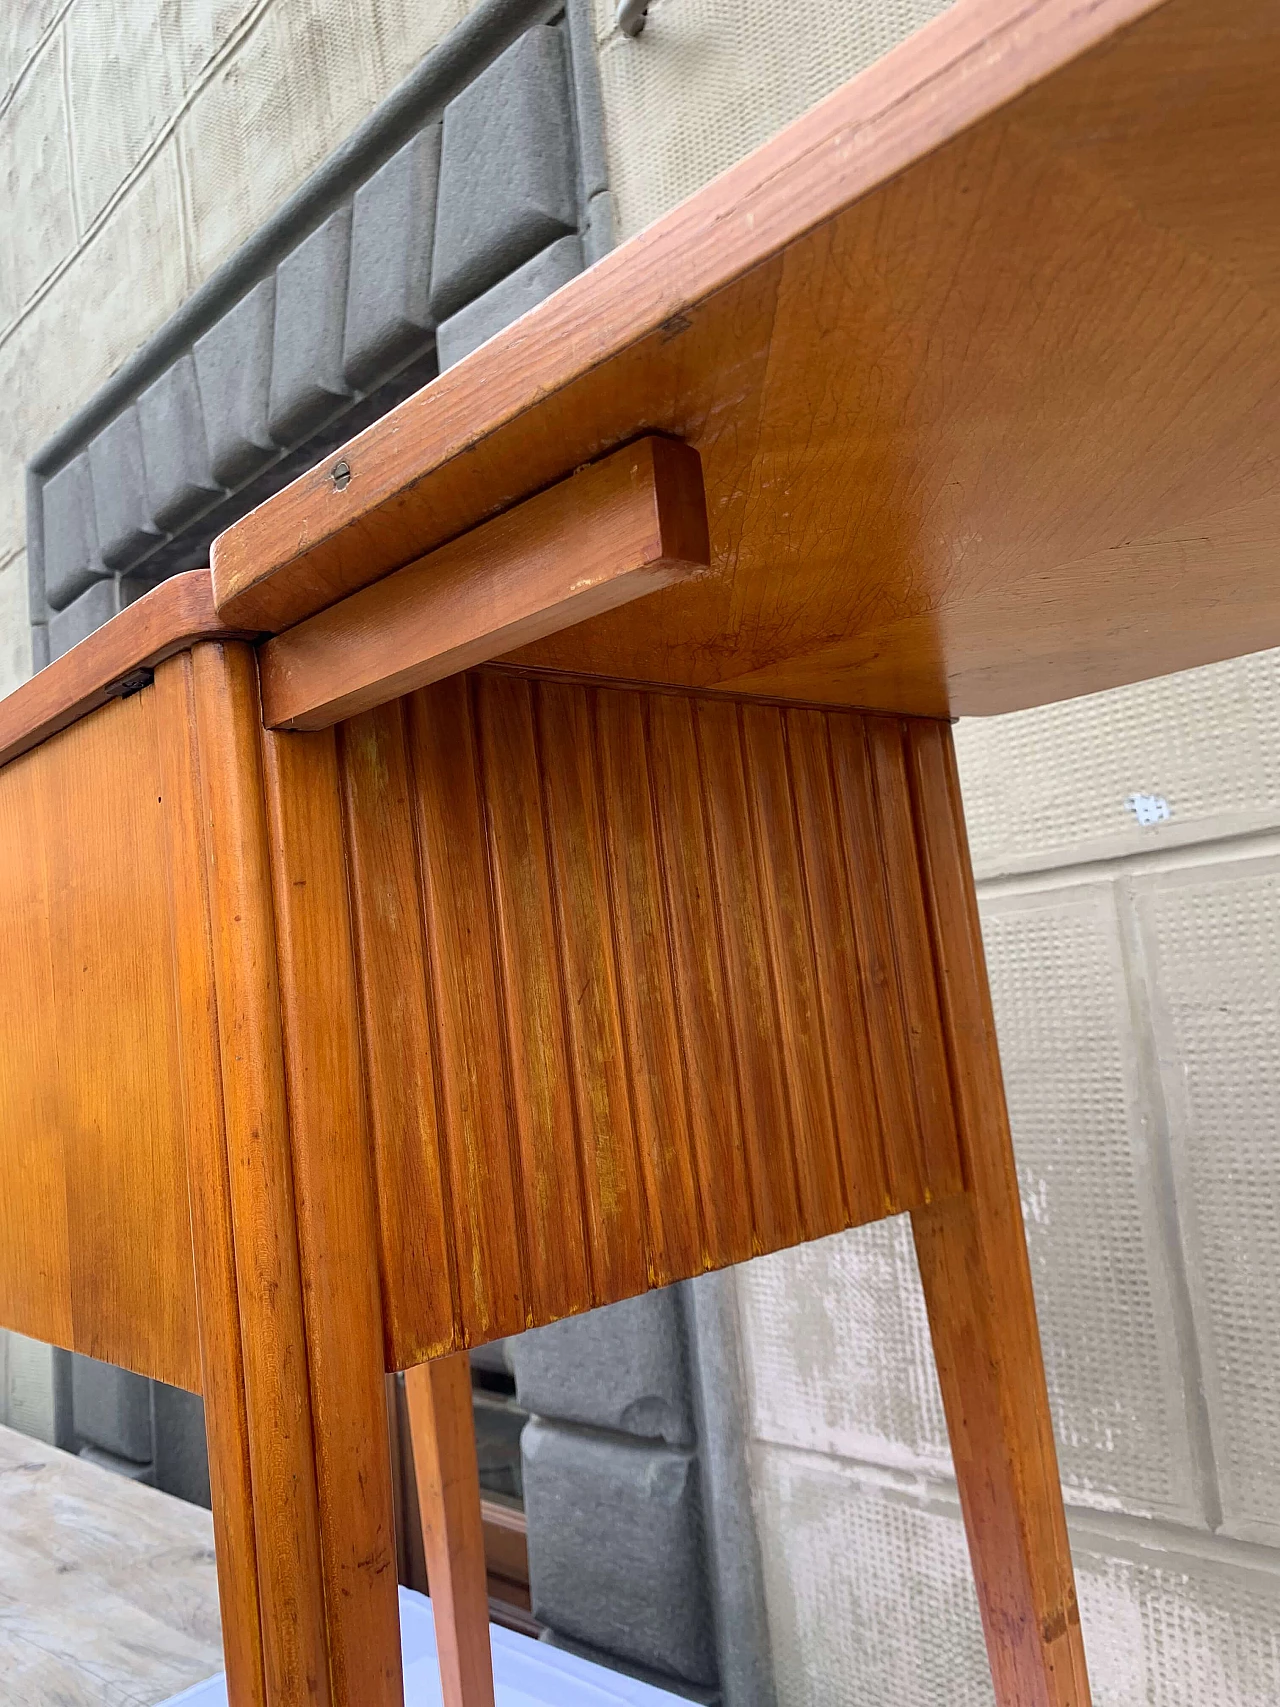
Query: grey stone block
{"points": [[233, 371], [392, 224], [112, 1409], [307, 386], [67, 628], [125, 529], [117, 1466], [180, 483], [494, 1357], [507, 171], [622, 1368], [71, 561], [508, 300], [615, 1549], [179, 1450]]}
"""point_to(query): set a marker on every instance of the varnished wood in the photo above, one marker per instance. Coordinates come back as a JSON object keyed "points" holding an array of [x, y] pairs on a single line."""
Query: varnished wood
{"points": [[977, 1284], [269, 1278], [333, 1199], [979, 358], [603, 1015], [611, 533], [209, 1187], [96, 1248], [448, 1478], [164, 621], [420, 1290]]}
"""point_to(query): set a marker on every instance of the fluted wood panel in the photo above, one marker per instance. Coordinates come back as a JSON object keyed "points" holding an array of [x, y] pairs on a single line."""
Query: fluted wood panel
{"points": [[648, 988]]}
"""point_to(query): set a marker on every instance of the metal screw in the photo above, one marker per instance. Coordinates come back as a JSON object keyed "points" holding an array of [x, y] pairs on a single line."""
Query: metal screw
{"points": [[630, 16], [340, 476]]}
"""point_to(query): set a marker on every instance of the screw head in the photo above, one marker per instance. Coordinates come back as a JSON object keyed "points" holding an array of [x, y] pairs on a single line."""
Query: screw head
{"points": [[340, 475]]}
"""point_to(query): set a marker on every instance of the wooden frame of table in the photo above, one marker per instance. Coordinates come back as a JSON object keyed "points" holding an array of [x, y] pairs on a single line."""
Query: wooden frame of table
{"points": [[531, 867]]}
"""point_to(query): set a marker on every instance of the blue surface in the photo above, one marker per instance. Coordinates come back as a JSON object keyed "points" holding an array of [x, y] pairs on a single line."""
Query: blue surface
{"points": [[525, 1673]]}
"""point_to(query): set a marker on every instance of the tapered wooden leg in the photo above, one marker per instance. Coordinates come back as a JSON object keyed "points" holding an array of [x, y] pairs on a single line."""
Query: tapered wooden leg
{"points": [[977, 1284], [336, 1220], [444, 1460]]}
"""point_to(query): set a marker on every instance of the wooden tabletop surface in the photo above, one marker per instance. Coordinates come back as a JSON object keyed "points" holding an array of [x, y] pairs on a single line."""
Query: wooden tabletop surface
{"points": [[980, 356], [107, 1588]]}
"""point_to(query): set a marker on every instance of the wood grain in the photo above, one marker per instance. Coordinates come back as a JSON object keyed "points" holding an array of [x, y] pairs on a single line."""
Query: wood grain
{"points": [[209, 1186], [977, 1283], [978, 356], [415, 1248], [485, 1181], [97, 1247], [611, 533], [334, 1206], [448, 1479], [632, 1019], [162, 622], [269, 1285]]}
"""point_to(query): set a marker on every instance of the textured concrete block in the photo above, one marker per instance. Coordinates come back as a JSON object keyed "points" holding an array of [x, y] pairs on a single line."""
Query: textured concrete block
{"points": [[1212, 938], [392, 226], [508, 300], [1049, 786], [622, 1367], [870, 1592], [29, 1398], [35, 169], [615, 1554], [1178, 1622], [507, 171], [1090, 1165], [307, 387], [180, 483], [295, 88], [17, 639], [233, 371], [125, 529], [71, 561], [112, 1409], [708, 81], [180, 1452], [122, 88], [67, 628], [838, 1353]]}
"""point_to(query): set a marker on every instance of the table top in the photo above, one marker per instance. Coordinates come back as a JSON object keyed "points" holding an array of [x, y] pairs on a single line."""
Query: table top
{"points": [[980, 357], [108, 1589]]}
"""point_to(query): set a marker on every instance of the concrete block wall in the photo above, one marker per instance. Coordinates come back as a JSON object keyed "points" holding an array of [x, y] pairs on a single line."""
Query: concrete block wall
{"points": [[1134, 974], [468, 195], [643, 1550]]}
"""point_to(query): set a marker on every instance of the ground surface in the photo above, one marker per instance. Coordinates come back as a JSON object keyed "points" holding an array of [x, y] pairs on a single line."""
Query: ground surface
{"points": [[107, 1590]]}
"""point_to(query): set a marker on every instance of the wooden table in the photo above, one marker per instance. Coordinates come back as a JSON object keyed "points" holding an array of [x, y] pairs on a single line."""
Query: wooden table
{"points": [[532, 869]]}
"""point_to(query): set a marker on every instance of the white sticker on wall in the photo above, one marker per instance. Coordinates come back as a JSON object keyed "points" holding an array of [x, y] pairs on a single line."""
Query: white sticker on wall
{"points": [[1148, 808]]}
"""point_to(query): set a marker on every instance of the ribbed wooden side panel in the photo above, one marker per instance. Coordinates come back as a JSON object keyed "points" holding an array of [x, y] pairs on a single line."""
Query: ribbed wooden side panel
{"points": [[648, 989]]}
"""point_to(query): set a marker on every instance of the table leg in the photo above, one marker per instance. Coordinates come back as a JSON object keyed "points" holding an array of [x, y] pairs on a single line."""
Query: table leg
{"points": [[442, 1426], [331, 1156], [977, 1283]]}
